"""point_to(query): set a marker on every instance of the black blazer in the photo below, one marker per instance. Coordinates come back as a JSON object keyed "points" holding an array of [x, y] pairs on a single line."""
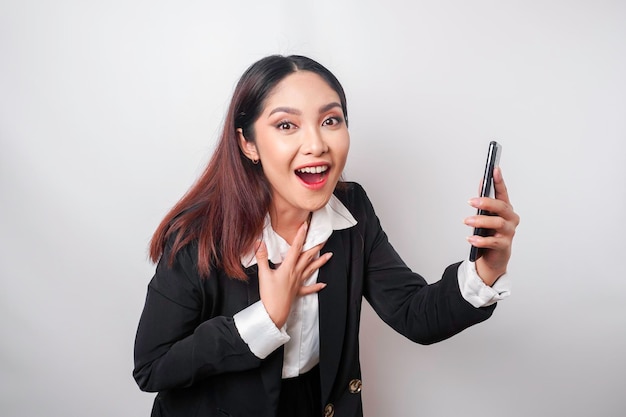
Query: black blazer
{"points": [[189, 351]]}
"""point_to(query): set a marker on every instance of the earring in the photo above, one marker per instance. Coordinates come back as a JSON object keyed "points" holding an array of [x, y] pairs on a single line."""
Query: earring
{"points": [[255, 161]]}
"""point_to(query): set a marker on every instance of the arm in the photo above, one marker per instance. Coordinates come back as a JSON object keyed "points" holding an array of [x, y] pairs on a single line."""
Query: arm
{"points": [[174, 347], [403, 299]]}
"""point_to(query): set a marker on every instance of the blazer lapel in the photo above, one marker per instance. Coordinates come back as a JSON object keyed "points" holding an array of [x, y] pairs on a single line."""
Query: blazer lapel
{"points": [[332, 311]]}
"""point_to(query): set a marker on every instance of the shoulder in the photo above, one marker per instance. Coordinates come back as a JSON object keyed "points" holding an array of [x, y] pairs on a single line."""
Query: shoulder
{"points": [[176, 268], [183, 255], [350, 193], [353, 196]]}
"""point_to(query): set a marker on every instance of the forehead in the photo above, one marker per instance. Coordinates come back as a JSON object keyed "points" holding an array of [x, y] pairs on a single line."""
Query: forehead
{"points": [[301, 89]]}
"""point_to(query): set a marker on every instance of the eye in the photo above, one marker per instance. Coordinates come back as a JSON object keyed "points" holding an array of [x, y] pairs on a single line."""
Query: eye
{"points": [[285, 125], [332, 121]]}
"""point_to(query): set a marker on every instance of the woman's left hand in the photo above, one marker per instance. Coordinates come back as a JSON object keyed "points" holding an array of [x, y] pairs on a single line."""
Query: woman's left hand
{"points": [[496, 248]]}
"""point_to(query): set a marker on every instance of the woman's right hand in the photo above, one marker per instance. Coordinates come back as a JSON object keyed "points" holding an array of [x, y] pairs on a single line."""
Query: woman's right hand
{"points": [[279, 287]]}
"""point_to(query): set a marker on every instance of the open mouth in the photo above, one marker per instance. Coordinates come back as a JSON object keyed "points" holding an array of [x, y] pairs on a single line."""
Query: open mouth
{"points": [[313, 175]]}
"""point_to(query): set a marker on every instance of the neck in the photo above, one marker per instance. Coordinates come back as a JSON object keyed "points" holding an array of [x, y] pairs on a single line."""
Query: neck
{"points": [[287, 223]]}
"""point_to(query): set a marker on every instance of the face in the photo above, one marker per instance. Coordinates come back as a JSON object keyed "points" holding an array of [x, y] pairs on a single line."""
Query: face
{"points": [[302, 141]]}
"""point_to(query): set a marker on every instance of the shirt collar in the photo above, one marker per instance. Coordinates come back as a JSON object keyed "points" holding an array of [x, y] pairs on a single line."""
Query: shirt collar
{"points": [[333, 216]]}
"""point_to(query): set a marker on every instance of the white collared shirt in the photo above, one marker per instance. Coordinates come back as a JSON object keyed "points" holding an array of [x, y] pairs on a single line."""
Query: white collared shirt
{"points": [[300, 334]]}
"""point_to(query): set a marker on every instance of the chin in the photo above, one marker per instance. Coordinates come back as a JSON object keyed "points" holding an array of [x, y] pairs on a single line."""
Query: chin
{"points": [[317, 203]]}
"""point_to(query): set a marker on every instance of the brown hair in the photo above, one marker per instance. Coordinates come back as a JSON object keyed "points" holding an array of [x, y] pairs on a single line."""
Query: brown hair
{"points": [[224, 210]]}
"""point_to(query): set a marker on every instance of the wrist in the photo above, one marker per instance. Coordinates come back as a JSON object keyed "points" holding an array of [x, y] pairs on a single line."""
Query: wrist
{"points": [[278, 316], [487, 274]]}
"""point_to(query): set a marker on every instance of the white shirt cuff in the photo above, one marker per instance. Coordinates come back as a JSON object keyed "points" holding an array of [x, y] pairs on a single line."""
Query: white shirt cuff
{"points": [[259, 331], [476, 292]]}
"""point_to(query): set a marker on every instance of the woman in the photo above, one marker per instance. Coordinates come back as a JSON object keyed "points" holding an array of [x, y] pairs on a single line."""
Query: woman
{"points": [[262, 266]]}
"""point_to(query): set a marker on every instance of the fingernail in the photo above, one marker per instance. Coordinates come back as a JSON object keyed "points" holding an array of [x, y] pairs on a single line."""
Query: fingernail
{"points": [[470, 221], [474, 202], [472, 239]]}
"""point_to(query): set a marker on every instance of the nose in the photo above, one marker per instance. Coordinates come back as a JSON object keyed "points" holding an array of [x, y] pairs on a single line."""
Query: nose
{"points": [[314, 142]]}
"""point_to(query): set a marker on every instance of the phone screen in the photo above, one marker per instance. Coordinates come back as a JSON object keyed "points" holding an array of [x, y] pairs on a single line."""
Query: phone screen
{"points": [[487, 190]]}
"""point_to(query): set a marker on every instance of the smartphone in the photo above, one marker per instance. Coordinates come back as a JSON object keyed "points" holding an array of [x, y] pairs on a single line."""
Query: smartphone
{"points": [[487, 190]]}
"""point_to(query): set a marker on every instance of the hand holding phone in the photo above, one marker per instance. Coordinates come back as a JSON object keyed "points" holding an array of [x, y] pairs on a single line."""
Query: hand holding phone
{"points": [[487, 190]]}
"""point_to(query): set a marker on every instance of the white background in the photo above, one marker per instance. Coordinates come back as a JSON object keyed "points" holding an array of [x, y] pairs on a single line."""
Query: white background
{"points": [[109, 110]]}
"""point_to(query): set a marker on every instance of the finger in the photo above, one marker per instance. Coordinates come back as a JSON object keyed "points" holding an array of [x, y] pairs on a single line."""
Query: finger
{"points": [[293, 254], [311, 289], [495, 207], [301, 235], [315, 249], [308, 256], [262, 258], [490, 242], [502, 192], [315, 265], [495, 223]]}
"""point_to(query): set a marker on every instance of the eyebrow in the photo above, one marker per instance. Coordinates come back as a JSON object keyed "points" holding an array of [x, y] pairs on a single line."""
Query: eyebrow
{"points": [[291, 110], [329, 106]]}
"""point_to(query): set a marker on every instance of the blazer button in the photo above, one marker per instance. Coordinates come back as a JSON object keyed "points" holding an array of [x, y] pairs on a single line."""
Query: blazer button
{"points": [[355, 386], [329, 410]]}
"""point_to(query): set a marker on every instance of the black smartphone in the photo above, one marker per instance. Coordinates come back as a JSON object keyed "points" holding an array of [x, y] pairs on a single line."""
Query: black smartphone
{"points": [[487, 190]]}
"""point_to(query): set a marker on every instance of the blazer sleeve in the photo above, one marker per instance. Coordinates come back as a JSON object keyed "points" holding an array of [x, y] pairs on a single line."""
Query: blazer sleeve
{"points": [[425, 313], [174, 346]]}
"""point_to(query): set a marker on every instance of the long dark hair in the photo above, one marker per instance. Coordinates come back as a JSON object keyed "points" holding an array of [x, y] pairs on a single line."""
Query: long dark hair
{"points": [[224, 210]]}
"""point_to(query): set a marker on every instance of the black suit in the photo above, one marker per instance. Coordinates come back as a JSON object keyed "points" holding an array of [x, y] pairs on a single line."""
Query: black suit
{"points": [[189, 350]]}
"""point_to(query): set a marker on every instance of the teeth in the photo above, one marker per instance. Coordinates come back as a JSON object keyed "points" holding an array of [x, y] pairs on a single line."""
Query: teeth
{"points": [[314, 170]]}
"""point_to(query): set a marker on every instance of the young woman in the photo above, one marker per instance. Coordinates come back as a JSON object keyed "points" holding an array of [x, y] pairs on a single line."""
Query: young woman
{"points": [[262, 266]]}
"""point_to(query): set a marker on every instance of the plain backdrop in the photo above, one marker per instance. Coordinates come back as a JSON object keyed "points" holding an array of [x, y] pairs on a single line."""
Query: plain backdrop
{"points": [[110, 109]]}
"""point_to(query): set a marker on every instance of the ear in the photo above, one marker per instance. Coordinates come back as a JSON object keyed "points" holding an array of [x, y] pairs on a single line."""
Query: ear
{"points": [[247, 147]]}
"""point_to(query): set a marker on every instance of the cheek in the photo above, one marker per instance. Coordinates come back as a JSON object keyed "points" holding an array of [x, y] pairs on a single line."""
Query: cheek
{"points": [[342, 148], [276, 152], [276, 163]]}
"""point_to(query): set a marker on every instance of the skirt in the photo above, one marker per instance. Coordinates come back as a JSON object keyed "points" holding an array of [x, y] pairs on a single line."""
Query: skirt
{"points": [[301, 396]]}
